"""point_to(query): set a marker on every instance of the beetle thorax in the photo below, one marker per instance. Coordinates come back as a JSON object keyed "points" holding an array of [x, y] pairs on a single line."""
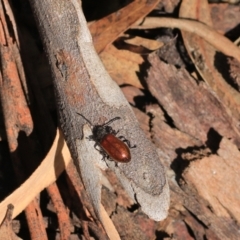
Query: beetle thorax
{"points": [[100, 131]]}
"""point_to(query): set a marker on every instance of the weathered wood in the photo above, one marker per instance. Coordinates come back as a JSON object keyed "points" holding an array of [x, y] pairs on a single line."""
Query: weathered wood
{"points": [[203, 177]]}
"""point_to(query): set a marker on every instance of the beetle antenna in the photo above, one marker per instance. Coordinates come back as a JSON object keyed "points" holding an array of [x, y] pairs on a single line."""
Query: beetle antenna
{"points": [[112, 120], [85, 118]]}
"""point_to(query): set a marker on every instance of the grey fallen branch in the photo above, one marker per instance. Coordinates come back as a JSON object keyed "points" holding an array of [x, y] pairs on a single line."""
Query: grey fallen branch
{"points": [[82, 85]]}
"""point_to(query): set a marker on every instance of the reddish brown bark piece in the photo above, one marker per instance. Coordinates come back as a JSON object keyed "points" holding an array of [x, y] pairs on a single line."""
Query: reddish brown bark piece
{"points": [[196, 226], [168, 5], [225, 16], [235, 72], [166, 138], [215, 226], [216, 179], [61, 211], [106, 30], [206, 58], [130, 226], [16, 113], [15, 110], [83, 209], [194, 109], [122, 65], [181, 232], [122, 198], [191, 105]]}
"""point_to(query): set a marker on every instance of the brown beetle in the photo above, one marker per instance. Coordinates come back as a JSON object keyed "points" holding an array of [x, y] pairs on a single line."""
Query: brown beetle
{"points": [[110, 145]]}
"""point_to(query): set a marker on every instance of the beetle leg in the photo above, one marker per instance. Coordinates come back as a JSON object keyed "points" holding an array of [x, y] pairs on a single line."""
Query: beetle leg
{"points": [[114, 132], [126, 141], [95, 146], [101, 151], [90, 138]]}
